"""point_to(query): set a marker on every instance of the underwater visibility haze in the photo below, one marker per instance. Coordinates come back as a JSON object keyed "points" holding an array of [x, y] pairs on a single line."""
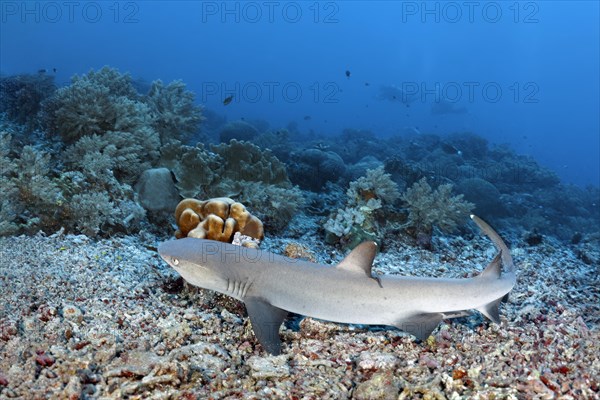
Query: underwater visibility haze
{"points": [[355, 145]]}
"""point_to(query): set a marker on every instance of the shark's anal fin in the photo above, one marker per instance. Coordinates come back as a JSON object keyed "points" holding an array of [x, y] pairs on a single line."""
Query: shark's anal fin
{"points": [[266, 320], [420, 325], [360, 260]]}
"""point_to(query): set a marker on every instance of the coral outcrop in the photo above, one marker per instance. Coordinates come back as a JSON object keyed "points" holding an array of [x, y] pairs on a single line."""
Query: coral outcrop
{"points": [[359, 221], [176, 116], [428, 208], [35, 197], [217, 219], [196, 169], [312, 168], [248, 162]]}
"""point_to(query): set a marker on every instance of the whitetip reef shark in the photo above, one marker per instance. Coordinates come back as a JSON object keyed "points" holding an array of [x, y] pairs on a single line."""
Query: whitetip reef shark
{"points": [[272, 285]]}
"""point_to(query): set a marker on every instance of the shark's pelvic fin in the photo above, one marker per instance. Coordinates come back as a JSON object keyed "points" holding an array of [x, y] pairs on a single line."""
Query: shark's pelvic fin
{"points": [[420, 325], [490, 310], [266, 320], [360, 260]]}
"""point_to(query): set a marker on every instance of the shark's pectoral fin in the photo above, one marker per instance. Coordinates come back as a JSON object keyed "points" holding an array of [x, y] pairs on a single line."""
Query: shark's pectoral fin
{"points": [[420, 325], [490, 310], [266, 320]]}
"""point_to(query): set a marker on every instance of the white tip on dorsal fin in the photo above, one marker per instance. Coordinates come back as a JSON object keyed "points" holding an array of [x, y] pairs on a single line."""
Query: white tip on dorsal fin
{"points": [[494, 269], [360, 260]]}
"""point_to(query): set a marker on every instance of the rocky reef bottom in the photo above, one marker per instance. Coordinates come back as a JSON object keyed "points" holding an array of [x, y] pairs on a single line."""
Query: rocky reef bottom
{"points": [[108, 319]]}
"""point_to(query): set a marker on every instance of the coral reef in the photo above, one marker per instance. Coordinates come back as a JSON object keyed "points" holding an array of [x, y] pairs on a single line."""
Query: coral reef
{"points": [[484, 196], [216, 219], [428, 208], [376, 184], [246, 161], [175, 114], [21, 97], [359, 220], [312, 168], [196, 169], [91, 105], [38, 198], [274, 205], [239, 170], [239, 130]]}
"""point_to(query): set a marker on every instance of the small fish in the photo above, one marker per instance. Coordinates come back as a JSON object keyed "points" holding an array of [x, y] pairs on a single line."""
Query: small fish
{"points": [[307, 117], [228, 100], [54, 70], [348, 74], [367, 84], [42, 71]]}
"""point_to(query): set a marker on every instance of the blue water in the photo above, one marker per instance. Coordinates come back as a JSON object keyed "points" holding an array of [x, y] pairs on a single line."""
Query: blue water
{"points": [[523, 73]]}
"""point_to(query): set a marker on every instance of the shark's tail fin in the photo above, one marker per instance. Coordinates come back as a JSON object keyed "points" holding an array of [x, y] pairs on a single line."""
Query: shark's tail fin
{"points": [[507, 261]]}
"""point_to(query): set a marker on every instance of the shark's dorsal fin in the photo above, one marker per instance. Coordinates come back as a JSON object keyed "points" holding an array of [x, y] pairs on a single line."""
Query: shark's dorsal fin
{"points": [[360, 260], [494, 269], [266, 320]]}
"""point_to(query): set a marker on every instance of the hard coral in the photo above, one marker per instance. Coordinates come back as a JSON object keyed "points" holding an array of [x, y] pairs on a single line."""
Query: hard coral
{"points": [[216, 219], [246, 161], [196, 169]]}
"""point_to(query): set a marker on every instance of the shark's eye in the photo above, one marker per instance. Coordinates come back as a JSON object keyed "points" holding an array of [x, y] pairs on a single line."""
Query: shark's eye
{"points": [[175, 261]]}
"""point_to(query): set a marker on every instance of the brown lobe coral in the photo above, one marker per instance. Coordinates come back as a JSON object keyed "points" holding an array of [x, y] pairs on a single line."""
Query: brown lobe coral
{"points": [[216, 219]]}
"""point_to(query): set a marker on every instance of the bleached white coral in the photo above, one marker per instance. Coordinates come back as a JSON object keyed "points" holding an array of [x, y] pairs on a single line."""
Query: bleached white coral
{"points": [[375, 184], [365, 195]]}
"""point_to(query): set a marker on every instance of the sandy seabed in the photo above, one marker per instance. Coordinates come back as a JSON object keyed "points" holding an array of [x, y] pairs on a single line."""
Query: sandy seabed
{"points": [[108, 319]]}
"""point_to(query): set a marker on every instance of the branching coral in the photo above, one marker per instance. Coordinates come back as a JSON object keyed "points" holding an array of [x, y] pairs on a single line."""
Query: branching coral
{"points": [[91, 105], [376, 184], [35, 197], [176, 115], [428, 208], [366, 197]]}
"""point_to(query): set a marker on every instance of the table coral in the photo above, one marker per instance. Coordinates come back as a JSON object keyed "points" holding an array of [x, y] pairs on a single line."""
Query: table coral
{"points": [[216, 219]]}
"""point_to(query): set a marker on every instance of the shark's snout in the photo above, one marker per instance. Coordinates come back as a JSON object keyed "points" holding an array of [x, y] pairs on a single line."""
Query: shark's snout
{"points": [[167, 251]]}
